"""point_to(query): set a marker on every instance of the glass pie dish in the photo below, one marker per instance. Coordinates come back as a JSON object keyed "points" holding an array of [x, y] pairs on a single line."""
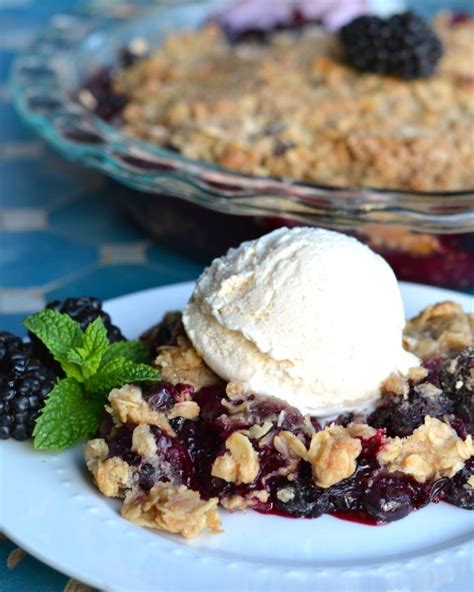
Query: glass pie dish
{"points": [[426, 236]]}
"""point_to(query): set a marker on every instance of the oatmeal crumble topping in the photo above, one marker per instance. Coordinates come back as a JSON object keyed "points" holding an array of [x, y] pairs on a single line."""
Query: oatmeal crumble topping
{"points": [[360, 430], [182, 364], [113, 476], [258, 431], [332, 454], [232, 106], [174, 509], [286, 494], [439, 328], [240, 464], [289, 445], [128, 405], [95, 451], [185, 409], [433, 450], [239, 502], [143, 441]]}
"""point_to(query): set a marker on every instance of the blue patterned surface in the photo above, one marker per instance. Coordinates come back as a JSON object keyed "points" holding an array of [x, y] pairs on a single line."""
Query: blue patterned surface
{"points": [[60, 235]]}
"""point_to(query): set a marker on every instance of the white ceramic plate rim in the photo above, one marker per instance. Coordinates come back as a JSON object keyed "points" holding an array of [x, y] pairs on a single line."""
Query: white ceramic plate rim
{"points": [[236, 560]]}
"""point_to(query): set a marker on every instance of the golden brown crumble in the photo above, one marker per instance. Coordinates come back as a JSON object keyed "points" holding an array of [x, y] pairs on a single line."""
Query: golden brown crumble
{"points": [[235, 390], [172, 508], [399, 384], [185, 409], [113, 476], [433, 450], [360, 430], [95, 451], [182, 364], [289, 445], [258, 431], [285, 494], [332, 454], [439, 328], [234, 107], [128, 405], [240, 464], [470, 481], [241, 502], [143, 441]]}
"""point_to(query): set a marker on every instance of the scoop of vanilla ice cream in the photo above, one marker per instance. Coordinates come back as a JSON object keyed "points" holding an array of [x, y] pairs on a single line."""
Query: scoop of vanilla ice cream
{"points": [[307, 315]]}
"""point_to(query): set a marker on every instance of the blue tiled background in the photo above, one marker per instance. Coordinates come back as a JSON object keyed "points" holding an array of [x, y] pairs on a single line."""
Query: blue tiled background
{"points": [[60, 232], [60, 235]]}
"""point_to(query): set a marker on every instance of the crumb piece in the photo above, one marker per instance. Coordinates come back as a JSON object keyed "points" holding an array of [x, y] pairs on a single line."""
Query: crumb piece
{"points": [[235, 390], [95, 451], [258, 431], [396, 384], [433, 450], [426, 389], [289, 445], [182, 364], [128, 405], [470, 481], [240, 464], [360, 430], [417, 374], [332, 454], [185, 409], [173, 508], [286, 494], [439, 328], [234, 408], [143, 441], [113, 476], [241, 502]]}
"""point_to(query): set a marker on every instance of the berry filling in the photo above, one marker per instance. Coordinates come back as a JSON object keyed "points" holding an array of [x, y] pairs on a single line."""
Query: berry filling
{"points": [[284, 482]]}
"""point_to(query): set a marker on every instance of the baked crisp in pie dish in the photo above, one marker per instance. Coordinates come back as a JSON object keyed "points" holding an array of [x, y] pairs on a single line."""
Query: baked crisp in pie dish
{"points": [[292, 105], [175, 450]]}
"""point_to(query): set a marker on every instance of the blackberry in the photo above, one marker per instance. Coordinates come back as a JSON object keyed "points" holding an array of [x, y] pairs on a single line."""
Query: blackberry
{"points": [[403, 45], [400, 416], [24, 385], [457, 381], [459, 492], [84, 310]]}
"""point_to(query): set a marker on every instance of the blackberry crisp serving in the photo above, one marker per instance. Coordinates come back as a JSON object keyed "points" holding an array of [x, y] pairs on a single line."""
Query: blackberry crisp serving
{"points": [[218, 430]]}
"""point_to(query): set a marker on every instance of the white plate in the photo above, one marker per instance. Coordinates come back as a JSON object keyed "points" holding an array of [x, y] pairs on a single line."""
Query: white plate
{"points": [[49, 506]]}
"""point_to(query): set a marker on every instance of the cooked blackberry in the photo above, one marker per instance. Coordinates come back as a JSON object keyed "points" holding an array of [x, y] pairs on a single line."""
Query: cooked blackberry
{"points": [[24, 385], [400, 416], [166, 332], [459, 492], [457, 381], [403, 45], [301, 497]]}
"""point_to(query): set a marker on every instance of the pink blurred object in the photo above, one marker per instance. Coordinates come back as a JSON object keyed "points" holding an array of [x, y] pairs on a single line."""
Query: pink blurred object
{"points": [[262, 16]]}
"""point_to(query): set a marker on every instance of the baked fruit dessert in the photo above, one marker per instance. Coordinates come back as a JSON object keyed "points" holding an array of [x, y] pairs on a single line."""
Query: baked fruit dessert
{"points": [[385, 103], [370, 447]]}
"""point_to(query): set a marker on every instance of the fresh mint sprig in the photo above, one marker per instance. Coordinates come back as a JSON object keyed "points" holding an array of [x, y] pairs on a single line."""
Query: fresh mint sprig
{"points": [[92, 367]]}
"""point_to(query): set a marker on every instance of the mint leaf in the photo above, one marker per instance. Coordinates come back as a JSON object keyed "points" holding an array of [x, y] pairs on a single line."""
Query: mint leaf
{"points": [[135, 351], [60, 334], [94, 345], [117, 372], [68, 417]]}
